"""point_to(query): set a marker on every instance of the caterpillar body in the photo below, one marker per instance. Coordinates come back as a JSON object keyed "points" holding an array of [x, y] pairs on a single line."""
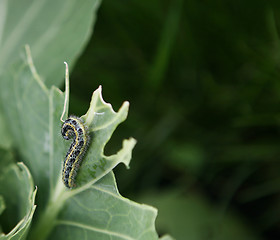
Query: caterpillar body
{"points": [[74, 128]]}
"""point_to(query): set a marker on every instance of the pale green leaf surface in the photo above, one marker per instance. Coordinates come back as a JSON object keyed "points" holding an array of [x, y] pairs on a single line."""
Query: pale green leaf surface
{"points": [[55, 30], [28, 114], [167, 237], [101, 212], [102, 121], [17, 189], [5, 139], [34, 112]]}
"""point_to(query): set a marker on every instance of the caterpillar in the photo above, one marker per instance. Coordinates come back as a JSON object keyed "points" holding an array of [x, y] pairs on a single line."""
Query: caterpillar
{"points": [[74, 128]]}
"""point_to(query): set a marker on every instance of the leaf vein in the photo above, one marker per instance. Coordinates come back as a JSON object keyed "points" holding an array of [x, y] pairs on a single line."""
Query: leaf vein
{"points": [[91, 228]]}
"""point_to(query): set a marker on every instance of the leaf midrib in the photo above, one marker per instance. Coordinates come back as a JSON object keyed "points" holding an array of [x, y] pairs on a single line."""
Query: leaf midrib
{"points": [[84, 226]]}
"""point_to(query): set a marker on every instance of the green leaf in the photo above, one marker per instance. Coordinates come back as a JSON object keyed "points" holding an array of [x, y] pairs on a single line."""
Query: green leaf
{"points": [[17, 190], [5, 139], [102, 120], [56, 31], [100, 212], [166, 237], [95, 207]]}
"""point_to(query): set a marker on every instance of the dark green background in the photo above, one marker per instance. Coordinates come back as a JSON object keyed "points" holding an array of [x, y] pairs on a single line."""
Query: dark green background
{"points": [[203, 82]]}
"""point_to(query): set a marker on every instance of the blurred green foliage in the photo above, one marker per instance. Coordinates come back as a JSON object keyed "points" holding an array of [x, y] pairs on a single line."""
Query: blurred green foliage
{"points": [[203, 80]]}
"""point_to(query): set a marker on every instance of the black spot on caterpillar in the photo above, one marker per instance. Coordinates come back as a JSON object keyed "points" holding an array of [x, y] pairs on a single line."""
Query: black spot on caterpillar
{"points": [[74, 128]]}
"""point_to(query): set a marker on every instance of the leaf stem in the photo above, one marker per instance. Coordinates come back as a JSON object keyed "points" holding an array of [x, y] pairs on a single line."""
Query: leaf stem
{"points": [[47, 220]]}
